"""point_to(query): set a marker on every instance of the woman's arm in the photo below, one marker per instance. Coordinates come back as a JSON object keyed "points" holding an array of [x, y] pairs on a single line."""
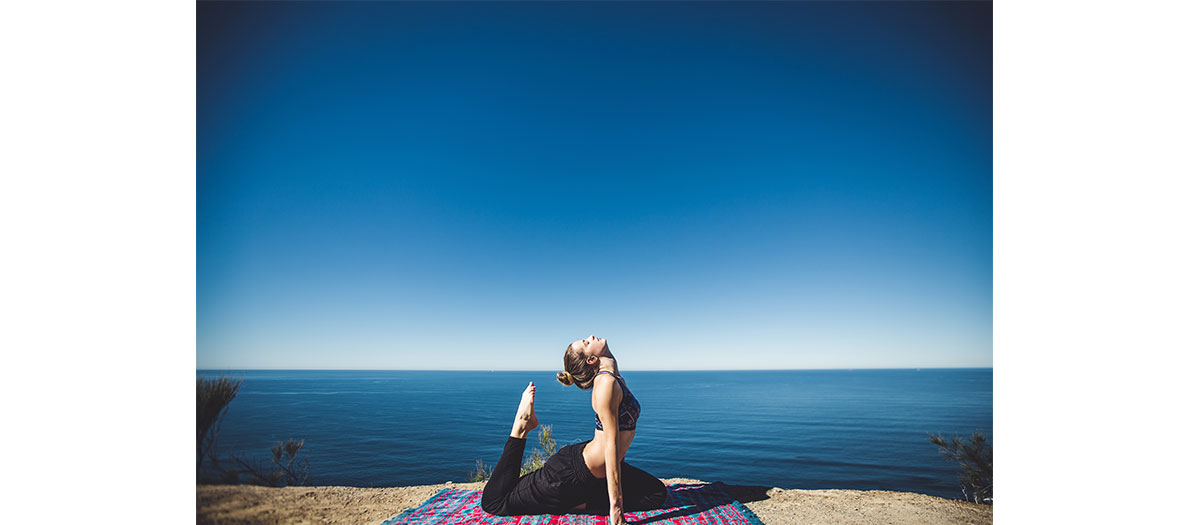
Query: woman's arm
{"points": [[606, 404]]}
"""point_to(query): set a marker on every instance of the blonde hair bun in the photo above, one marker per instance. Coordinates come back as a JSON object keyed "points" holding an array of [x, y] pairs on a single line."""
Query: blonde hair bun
{"points": [[566, 378]]}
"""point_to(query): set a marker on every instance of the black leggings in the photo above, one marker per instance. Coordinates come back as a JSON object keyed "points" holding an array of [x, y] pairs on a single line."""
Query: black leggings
{"points": [[562, 484]]}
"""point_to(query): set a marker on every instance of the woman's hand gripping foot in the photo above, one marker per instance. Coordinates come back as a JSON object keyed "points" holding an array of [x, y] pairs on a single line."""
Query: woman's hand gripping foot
{"points": [[526, 417]]}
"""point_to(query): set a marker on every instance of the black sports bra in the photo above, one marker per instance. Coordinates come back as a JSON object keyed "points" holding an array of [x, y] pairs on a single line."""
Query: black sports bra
{"points": [[628, 407]]}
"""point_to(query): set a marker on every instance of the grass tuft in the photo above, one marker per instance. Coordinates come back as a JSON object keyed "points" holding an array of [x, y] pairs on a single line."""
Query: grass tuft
{"points": [[974, 456]]}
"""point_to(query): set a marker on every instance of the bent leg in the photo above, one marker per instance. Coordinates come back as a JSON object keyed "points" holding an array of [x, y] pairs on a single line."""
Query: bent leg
{"points": [[641, 491], [504, 477]]}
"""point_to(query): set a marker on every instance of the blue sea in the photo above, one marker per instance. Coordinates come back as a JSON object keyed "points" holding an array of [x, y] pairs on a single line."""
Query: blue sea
{"points": [[795, 429]]}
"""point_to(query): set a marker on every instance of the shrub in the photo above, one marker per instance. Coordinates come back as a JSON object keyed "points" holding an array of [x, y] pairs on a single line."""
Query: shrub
{"points": [[533, 462], [213, 397], [974, 456], [537, 459], [279, 472], [480, 473]]}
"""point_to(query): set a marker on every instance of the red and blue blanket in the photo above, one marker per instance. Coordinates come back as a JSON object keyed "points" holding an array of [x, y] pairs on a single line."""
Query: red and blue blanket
{"points": [[687, 504]]}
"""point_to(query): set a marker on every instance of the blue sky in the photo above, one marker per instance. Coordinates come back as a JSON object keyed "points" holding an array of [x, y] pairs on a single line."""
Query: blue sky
{"points": [[473, 186]]}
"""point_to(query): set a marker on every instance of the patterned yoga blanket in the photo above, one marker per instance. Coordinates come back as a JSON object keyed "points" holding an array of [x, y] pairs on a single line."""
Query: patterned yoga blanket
{"points": [[687, 504]]}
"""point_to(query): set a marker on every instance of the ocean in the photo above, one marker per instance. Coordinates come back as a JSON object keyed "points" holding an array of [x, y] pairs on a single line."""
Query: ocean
{"points": [[795, 429]]}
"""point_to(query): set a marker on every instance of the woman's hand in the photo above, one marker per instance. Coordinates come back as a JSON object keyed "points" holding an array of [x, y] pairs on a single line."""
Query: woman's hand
{"points": [[616, 516]]}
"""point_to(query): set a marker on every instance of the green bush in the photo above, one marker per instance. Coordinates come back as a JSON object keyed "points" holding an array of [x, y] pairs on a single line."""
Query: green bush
{"points": [[480, 473], [279, 472], [213, 398], [537, 459], [974, 456], [533, 462]]}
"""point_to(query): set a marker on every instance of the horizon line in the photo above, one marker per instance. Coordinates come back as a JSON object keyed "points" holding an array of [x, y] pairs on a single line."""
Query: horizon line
{"points": [[633, 370]]}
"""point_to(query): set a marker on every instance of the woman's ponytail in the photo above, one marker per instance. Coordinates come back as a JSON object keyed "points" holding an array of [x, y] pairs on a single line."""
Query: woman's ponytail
{"points": [[565, 378]]}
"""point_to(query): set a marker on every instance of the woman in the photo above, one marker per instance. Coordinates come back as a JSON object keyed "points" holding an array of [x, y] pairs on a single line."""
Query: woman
{"points": [[590, 476]]}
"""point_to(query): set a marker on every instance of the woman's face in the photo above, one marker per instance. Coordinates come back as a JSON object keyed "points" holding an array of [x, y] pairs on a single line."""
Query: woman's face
{"points": [[593, 347]]}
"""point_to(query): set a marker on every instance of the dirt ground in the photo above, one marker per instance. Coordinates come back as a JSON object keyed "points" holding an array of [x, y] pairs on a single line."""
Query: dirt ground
{"points": [[243, 504]]}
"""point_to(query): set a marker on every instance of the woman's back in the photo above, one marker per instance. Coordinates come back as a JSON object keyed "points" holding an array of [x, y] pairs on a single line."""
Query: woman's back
{"points": [[595, 451]]}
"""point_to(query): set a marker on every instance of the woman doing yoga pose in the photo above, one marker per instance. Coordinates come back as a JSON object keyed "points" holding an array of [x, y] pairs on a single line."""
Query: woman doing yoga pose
{"points": [[590, 475]]}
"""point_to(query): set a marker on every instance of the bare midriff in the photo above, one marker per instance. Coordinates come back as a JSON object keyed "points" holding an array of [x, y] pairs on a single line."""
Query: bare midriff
{"points": [[595, 454]]}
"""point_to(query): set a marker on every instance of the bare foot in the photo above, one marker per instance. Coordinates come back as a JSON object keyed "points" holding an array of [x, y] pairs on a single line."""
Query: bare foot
{"points": [[526, 417]]}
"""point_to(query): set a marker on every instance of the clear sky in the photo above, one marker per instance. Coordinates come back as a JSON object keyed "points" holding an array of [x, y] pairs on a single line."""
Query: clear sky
{"points": [[475, 185]]}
